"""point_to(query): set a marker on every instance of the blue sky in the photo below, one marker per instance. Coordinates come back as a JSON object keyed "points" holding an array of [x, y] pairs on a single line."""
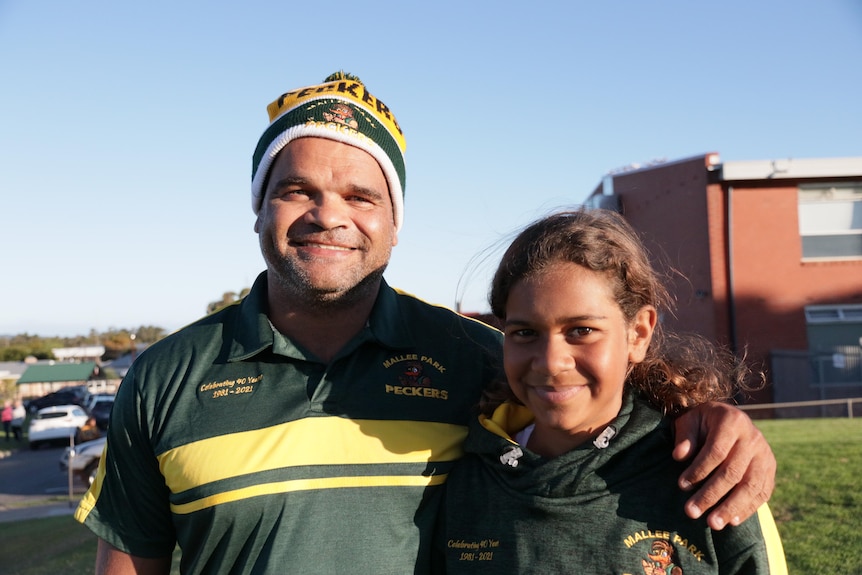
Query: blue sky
{"points": [[127, 129]]}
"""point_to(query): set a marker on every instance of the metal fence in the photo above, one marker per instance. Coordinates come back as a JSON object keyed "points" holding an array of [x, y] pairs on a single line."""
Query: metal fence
{"points": [[825, 408], [816, 383]]}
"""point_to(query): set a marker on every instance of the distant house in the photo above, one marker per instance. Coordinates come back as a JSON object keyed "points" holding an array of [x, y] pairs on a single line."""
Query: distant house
{"points": [[41, 379], [79, 353], [11, 370], [771, 254]]}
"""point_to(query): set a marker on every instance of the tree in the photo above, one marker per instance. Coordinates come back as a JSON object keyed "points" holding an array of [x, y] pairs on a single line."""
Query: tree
{"points": [[227, 299]]}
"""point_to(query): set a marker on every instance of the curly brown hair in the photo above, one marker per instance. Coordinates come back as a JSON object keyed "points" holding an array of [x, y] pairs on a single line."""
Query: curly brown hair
{"points": [[678, 371]]}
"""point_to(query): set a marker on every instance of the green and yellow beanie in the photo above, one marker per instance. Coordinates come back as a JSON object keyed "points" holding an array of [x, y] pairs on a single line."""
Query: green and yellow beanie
{"points": [[340, 109]]}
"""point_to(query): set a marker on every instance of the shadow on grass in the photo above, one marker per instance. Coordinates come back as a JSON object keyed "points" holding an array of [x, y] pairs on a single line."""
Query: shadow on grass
{"points": [[50, 546]]}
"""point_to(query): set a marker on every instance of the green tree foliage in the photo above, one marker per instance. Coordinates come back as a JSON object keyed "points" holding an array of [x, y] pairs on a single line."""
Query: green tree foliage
{"points": [[116, 341], [227, 299], [18, 347], [119, 342]]}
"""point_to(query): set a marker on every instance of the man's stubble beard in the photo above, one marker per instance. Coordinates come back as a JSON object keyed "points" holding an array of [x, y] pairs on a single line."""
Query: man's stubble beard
{"points": [[304, 293], [295, 284]]}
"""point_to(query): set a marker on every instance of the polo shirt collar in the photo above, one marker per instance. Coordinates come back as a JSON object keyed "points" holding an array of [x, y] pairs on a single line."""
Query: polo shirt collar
{"points": [[388, 322], [253, 332]]}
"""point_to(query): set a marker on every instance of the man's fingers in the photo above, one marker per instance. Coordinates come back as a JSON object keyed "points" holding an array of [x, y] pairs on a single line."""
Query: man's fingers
{"points": [[681, 451], [710, 459], [719, 484], [749, 488], [686, 431], [741, 504], [733, 468]]}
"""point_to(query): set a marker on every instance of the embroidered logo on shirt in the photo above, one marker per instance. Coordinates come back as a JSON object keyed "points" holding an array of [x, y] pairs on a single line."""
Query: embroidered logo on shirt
{"points": [[228, 387], [662, 554], [415, 376], [662, 559]]}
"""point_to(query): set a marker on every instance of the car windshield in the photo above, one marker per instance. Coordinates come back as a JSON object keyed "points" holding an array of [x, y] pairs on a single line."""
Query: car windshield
{"points": [[52, 415]]}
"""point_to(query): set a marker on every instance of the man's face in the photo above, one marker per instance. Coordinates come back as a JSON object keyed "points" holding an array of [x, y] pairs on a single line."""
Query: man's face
{"points": [[325, 226]]}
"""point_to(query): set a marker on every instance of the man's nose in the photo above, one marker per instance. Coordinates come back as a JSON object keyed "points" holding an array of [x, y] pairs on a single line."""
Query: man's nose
{"points": [[329, 211]]}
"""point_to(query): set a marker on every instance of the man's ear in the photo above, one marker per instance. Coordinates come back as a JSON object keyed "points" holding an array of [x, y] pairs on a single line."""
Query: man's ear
{"points": [[640, 333]]}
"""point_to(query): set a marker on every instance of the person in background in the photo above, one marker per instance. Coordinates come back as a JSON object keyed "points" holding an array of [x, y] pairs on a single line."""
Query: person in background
{"points": [[19, 414], [6, 418], [567, 468], [89, 431], [310, 427]]}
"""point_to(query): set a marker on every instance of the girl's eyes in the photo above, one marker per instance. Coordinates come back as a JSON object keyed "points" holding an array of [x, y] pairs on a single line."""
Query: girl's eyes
{"points": [[521, 333], [526, 333], [581, 331]]}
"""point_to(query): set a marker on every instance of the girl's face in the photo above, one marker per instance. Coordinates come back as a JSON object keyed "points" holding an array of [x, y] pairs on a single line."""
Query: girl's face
{"points": [[567, 352]]}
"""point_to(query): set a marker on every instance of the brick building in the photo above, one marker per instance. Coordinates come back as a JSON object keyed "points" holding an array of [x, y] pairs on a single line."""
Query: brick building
{"points": [[771, 252]]}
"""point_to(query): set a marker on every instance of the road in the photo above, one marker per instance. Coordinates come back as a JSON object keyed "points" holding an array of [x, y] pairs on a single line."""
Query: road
{"points": [[33, 478]]}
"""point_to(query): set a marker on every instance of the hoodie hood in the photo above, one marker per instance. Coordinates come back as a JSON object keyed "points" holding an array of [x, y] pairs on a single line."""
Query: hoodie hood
{"points": [[576, 473]]}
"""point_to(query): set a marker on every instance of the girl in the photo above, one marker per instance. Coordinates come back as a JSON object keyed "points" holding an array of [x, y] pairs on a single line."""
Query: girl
{"points": [[569, 466]]}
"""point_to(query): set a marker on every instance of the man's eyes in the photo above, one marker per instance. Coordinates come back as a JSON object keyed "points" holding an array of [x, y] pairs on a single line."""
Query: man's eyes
{"points": [[288, 194]]}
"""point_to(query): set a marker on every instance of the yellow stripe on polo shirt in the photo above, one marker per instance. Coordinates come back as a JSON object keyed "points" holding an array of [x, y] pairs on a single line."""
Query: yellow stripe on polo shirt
{"points": [[307, 485], [309, 442]]}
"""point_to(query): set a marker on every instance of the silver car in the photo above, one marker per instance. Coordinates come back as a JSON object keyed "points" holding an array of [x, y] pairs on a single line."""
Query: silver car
{"points": [[83, 459]]}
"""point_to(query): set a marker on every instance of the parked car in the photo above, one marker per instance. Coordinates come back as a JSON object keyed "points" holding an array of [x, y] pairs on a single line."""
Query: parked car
{"points": [[96, 397], [72, 395], [101, 410], [55, 423], [83, 459]]}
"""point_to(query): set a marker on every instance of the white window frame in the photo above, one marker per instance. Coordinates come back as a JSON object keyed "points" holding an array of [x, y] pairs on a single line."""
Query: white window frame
{"points": [[830, 212]]}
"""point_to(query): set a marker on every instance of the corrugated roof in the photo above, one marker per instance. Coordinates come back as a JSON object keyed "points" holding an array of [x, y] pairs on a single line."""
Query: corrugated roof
{"points": [[58, 372]]}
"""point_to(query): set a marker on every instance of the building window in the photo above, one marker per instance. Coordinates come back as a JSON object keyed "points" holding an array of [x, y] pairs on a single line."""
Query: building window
{"points": [[830, 220], [851, 313]]}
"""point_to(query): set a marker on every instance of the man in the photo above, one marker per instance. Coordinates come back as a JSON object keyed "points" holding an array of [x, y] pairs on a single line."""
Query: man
{"points": [[309, 428]]}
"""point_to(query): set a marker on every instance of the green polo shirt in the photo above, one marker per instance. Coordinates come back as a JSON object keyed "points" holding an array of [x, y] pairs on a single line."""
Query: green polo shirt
{"points": [[257, 458]]}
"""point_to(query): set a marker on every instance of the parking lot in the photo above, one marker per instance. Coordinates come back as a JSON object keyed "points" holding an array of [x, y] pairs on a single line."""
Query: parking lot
{"points": [[32, 485]]}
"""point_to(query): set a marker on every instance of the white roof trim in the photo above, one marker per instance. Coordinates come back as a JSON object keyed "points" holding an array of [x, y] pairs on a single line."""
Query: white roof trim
{"points": [[792, 168]]}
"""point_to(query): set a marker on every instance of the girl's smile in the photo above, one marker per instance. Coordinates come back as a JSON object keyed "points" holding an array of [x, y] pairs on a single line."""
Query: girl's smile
{"points": [[567, 352]]}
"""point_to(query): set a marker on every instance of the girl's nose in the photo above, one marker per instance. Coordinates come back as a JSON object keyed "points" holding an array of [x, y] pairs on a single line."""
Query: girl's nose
{"points": [[553, 356]]}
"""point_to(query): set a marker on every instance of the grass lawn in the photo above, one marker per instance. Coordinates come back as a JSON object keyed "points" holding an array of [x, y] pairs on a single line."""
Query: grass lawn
{"points": [[817, 504], [51, 546], [818, 494]]}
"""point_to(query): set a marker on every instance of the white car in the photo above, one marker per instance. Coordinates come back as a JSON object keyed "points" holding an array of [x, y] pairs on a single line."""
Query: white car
{"points": [[83, 459], [56, 423]]}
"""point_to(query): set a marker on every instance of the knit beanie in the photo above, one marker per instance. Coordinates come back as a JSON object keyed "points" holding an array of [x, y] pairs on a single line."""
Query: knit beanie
{"points": [[340, 109]]}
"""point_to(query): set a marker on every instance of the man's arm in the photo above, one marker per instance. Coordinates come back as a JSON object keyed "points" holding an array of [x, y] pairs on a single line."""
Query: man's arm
{"points": [[112, 561], [733, 461]]}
